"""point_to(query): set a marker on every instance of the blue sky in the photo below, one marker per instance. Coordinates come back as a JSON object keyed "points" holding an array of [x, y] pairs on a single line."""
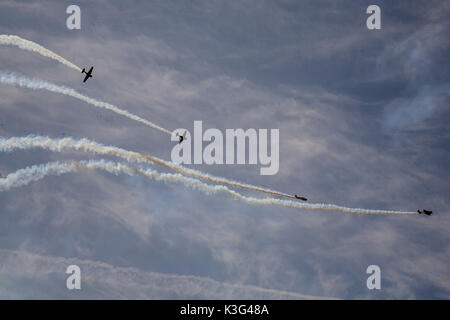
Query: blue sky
{"points": [[363, 118]]}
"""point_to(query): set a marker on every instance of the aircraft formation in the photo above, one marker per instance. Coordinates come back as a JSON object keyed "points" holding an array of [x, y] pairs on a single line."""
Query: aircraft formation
{"points": [[88, 74], [182, 138], [31, 46]]}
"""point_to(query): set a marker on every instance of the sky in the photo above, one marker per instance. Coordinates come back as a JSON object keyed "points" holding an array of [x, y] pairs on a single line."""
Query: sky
{"points": [[363, 117]]}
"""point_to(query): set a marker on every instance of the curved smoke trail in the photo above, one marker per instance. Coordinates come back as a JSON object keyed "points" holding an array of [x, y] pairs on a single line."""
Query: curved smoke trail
{"points": [[34, 47], [58, 145], [27, 175], [37, 84]]}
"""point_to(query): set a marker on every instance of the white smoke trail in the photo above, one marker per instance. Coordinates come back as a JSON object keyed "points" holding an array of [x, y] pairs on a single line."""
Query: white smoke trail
{"points": [[34, 47], [27, 175], [58, 145], [37, 84]]}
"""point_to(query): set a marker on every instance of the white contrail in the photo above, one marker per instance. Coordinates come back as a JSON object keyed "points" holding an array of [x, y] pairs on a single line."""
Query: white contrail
{"points": [[37, 84], [27, 175], [34, 47], [58, 145]]}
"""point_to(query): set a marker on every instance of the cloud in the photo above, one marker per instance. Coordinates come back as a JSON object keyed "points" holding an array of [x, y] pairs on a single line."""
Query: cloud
{"points": [[23, 272], [412, 112]]}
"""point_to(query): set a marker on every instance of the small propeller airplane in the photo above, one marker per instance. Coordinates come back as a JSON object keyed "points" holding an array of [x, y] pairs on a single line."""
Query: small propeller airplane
{"points": [[183, 137], [427, 212], [88, 74], [300, 198]]}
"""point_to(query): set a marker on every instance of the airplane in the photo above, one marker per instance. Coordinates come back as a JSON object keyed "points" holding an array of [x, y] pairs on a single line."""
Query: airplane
{"points": [[428, 213], [300, 198], [88, 74], [183, 137]]}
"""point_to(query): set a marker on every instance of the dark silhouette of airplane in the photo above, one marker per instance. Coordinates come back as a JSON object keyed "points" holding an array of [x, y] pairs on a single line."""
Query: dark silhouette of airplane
{"points": [[88, 74], [428, 213], [300, 198], [183, 137]]}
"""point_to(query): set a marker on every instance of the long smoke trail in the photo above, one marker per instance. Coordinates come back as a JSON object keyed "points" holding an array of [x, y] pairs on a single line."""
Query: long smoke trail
{"points": [[58, 145], [27, 175], [37, 84], [34, 47]]}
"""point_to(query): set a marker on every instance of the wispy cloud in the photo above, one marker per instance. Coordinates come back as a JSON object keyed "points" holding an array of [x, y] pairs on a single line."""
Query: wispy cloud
{"points": [[112, 282]]}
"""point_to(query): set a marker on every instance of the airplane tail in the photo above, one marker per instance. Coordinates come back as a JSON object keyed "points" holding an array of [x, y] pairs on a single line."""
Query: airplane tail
{"points": [[83, 71]]}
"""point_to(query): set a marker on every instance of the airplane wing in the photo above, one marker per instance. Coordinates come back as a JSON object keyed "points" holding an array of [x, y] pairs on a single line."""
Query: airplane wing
{"points": [[86, 77]]}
